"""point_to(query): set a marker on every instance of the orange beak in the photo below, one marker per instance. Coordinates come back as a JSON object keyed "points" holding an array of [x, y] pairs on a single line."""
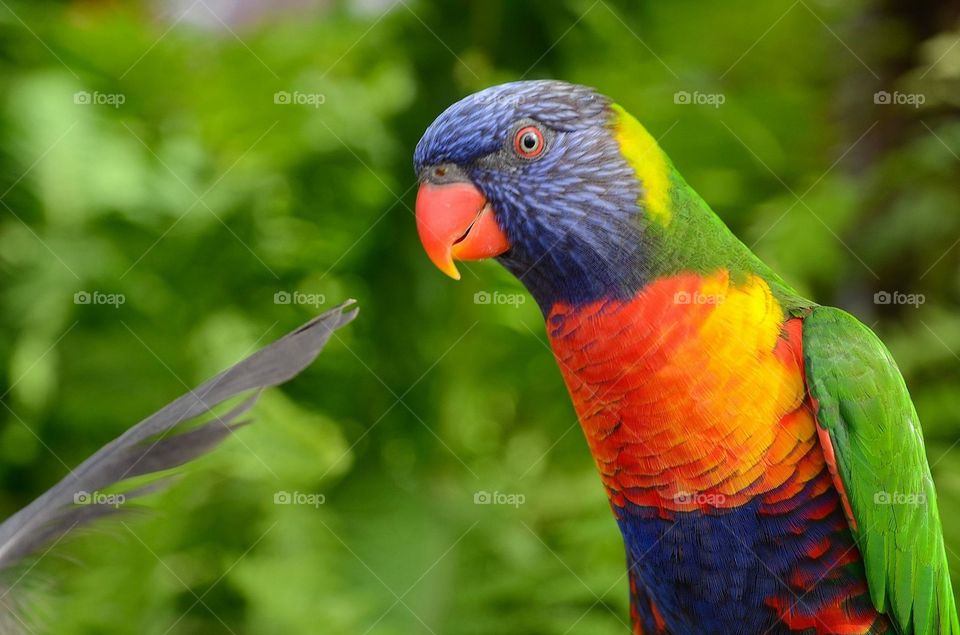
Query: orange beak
{"points": [[455, 222]]}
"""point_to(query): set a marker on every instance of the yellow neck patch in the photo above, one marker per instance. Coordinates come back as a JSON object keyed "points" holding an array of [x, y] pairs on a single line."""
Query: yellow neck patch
{"points": [[646, 158]]}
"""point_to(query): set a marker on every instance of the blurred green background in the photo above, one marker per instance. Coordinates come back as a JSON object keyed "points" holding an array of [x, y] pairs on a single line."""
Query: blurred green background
{"points": [[200, 158]]}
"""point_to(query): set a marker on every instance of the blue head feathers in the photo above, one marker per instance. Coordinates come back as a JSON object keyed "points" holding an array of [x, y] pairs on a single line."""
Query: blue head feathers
{"points": [[570, 212]]}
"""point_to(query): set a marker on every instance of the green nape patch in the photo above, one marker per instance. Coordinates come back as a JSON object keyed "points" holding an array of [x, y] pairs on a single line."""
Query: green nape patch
{"points": [[643, 153]]}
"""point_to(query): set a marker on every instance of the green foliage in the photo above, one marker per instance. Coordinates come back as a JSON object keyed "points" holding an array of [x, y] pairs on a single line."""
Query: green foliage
{"points": [[199, 199]]}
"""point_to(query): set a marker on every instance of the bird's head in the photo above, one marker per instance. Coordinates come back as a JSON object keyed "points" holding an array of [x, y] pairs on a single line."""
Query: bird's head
{"points": [[552, 179]]}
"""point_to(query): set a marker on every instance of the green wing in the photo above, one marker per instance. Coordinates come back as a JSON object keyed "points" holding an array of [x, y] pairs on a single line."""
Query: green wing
{"points": [[879, 465]]}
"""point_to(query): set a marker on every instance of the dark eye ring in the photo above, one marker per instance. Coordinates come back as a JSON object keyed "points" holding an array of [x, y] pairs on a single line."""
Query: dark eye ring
{"points": [[528, 142]]}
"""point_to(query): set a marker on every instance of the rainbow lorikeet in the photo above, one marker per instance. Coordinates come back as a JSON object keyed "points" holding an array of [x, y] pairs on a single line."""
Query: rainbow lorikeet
{"points": [[761, 453]]}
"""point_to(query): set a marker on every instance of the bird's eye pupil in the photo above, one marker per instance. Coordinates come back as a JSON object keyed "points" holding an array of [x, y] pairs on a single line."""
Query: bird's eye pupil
{"points": [[529, 141]]}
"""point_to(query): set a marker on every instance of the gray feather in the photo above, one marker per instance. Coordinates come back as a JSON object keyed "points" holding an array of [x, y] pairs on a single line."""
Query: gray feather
{"points": [[154, 445]]}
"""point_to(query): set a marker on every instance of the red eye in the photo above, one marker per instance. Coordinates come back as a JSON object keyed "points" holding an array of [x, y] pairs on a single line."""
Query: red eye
{"points": [[529, 142]]}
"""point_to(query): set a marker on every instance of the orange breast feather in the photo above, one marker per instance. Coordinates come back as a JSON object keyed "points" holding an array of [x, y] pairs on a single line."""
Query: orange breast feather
{"points": [[692, 394]]}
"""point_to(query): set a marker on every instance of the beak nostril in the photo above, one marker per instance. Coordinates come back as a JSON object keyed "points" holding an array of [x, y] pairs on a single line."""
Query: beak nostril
{"points": [[442, 173]]}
